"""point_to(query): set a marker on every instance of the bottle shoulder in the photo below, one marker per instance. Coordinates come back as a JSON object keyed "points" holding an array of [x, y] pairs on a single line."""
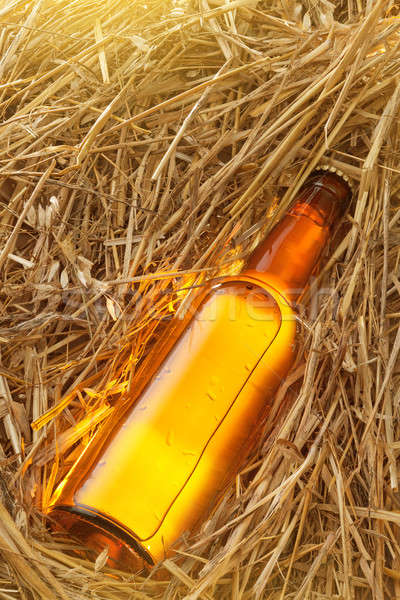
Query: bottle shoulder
{"points": [[268, 281], [270, 284]]}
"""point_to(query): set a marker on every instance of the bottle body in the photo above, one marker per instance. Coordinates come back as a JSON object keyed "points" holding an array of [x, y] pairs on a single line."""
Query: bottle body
{"points": [[159, 465], [156, 471]]}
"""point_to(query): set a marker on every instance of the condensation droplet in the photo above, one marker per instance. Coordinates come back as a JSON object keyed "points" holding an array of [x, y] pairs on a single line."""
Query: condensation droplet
{"points": [[188, 453]]}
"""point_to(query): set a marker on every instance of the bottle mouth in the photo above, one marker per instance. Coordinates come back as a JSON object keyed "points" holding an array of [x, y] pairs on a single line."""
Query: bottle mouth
{"points": [[327, 192], [333, 175], [124, 551]]}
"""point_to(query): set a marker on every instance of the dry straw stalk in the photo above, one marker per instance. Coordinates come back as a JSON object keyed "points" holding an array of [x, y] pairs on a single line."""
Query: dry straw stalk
{"points": [[145, 147]]}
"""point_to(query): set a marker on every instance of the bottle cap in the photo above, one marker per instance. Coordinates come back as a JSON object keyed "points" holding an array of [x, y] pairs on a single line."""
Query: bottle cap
{"points": [[335, 171]]}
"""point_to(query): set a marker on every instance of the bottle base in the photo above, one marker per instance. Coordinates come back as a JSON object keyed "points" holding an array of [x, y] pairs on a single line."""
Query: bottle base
{"points": [[98, 532]]}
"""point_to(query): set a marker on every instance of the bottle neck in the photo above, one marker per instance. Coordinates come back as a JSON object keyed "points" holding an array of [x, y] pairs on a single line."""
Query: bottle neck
{"points": [[291, 251]]}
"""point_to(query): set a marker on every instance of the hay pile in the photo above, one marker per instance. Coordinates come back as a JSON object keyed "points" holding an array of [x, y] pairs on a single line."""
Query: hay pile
{"points": [[145, 147]]}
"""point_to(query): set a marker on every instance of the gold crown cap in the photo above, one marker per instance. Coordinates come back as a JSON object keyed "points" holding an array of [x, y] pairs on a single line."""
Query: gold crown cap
{"points": [[338, 172]]}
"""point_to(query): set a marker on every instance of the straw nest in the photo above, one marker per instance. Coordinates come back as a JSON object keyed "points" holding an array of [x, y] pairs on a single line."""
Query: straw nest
{"points": [[146, 147]]}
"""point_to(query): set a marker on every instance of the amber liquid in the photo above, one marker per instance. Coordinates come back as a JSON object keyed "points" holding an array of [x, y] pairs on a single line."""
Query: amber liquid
{"points": [[159, 466]]}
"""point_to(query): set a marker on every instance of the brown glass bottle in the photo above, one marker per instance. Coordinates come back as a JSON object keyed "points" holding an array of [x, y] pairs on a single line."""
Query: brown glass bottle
{"points": [[157, 468]]}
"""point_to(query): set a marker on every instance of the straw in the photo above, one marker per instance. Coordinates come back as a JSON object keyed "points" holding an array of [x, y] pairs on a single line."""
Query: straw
{"points": [[146, 148]]}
